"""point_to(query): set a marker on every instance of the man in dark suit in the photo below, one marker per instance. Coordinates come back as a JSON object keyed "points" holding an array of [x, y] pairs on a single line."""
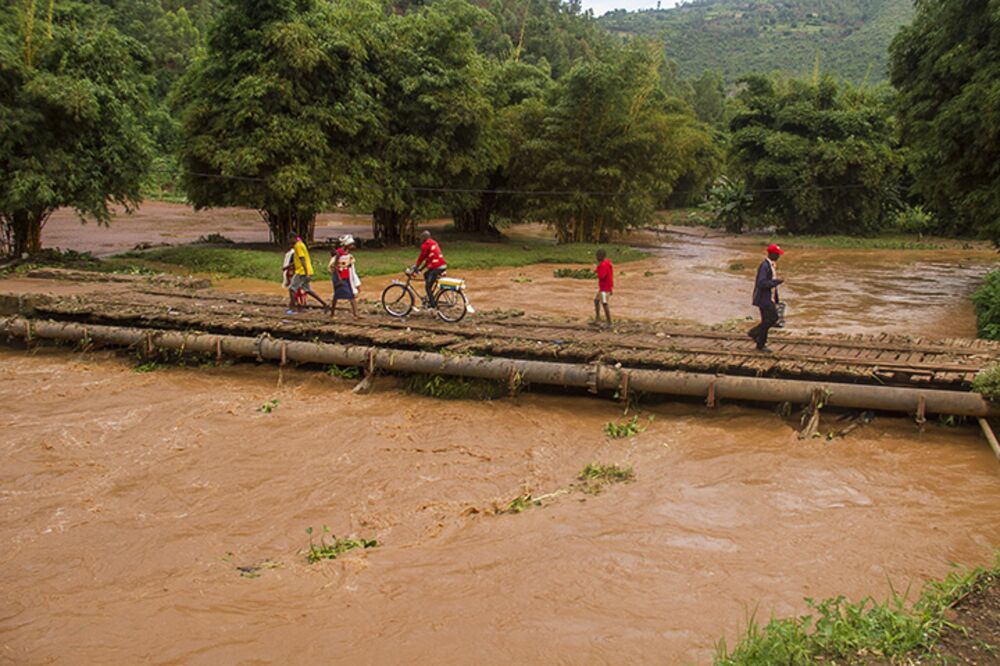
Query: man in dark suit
{"points": [[765, 297]]}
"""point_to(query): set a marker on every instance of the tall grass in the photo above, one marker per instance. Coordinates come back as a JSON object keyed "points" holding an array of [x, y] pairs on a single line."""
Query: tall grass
{"points": [[867, 631]]}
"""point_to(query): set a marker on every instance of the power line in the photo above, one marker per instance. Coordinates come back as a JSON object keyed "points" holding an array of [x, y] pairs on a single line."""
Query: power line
{"points": [[535, 193]]}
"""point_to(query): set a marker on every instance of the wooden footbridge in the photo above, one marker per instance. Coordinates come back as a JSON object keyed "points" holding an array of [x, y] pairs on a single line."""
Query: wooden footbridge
{"points": [[883, 372]]}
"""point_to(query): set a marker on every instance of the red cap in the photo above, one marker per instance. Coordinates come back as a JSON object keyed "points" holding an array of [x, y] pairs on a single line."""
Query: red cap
{"points": [[774, 249]]}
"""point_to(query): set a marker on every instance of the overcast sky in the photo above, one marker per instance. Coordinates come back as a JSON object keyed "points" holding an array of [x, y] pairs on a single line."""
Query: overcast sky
{"points": [[601, 6]]}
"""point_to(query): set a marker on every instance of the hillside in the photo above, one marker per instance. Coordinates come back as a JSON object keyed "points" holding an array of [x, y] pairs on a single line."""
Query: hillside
{"points": [[734, 37]]}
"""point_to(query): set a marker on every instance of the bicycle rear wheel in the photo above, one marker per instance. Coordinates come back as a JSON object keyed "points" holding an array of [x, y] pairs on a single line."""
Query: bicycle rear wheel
{"points": [[397, 300], [451, 305]]}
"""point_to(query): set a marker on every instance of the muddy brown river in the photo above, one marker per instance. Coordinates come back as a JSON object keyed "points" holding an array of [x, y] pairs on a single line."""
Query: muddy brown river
{"points": [[129, 502]]}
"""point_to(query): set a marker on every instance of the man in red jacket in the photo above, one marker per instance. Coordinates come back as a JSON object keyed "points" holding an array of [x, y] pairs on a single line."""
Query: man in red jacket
{"points": [[430, 255]]}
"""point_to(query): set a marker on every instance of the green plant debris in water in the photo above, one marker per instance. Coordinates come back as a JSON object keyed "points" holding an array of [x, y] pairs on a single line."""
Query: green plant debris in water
{"points": [[268, 407], [149, 366], [347, 372], [456, 388], [630, 428], [521, 503], [330, 547], [254, 570], [576, 273], [608, 473]]}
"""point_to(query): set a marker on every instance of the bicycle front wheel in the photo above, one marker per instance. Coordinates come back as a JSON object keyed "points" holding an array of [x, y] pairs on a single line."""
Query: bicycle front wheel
{"points": [[397, 300], [451, 305]]}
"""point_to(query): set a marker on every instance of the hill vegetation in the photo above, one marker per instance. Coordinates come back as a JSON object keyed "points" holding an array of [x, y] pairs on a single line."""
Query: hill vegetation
{"points": [[737, 37]]}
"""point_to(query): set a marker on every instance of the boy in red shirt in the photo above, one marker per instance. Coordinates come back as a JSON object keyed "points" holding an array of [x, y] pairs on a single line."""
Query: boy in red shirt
{"points": [[605, 285]]}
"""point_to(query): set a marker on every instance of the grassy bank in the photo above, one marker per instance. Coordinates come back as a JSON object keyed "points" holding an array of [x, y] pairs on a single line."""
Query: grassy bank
{"points": [[461, 255], [887, 242], [869, 632]]}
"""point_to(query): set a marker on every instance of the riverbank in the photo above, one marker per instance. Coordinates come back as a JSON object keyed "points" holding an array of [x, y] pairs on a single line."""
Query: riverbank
{"points": [[953, 621]]}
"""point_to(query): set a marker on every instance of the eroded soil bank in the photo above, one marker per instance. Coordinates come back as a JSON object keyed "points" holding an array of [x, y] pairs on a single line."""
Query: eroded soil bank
{"points": [[127, 502]]}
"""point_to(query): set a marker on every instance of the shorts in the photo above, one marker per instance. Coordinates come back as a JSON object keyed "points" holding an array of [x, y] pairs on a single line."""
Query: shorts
{"points": [[299, 282], [603, 296]]}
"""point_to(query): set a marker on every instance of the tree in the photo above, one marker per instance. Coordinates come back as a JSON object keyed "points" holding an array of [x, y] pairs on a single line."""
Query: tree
{"points": [[433, 116], [72, 101], [818, 157], [608, 146], [272, 113], [946, 67], [708, 98], [515, 88]]}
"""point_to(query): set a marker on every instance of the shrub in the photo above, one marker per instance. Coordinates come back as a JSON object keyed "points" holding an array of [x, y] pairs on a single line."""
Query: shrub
{"points": [[987, 383], [987, 300], [915, 220]]}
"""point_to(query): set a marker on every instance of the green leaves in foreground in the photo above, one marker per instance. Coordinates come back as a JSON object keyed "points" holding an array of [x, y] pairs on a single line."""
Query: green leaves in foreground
{"points": [[987, 383], [330, 549], [867, 631], [630, 428]]}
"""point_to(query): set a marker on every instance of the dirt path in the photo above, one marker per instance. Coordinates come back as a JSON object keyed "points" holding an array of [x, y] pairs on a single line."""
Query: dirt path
{"points": [[128, 501]]}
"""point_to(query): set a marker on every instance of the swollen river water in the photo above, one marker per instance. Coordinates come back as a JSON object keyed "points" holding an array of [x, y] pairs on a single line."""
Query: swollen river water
{"points": [[127, 502]]}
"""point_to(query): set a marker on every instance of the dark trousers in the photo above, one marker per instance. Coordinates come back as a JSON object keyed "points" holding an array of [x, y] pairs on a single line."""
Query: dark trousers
{"points": [[768, 318], [430, 279]]}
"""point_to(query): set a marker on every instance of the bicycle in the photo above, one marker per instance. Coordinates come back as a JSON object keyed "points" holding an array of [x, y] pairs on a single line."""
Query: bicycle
{"points": [[449, 301]]}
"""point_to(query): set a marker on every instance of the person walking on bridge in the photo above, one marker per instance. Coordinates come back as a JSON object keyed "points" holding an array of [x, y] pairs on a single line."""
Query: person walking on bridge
{"points": [[302, 279], [765, 297]]}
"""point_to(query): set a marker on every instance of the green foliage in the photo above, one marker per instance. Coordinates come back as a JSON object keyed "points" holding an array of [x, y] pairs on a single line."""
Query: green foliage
{"points": [[946, 67], [575, 273], [72, 104], [915, 220], [737, 37], [269, 406], [613, 139], [630, 428], [818, 157], [272, 113], [606, 473], [520, 504], [987, 383], [456, 388], [838, 631], [987, 301], [149, 366], [730, 204], [432, 115], [329, 548], [553, 35], [348, 372]]}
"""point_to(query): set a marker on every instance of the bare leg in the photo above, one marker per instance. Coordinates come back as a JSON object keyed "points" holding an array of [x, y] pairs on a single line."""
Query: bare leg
{"points": [[597, 308], [607, 313], [333, 307], [316, 297], [354, 308]]}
